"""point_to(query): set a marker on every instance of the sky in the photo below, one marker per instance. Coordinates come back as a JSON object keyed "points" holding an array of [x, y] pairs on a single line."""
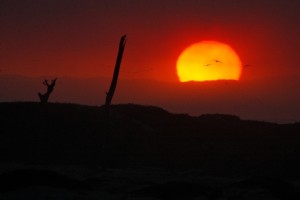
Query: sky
{"points": [[79, 39]]}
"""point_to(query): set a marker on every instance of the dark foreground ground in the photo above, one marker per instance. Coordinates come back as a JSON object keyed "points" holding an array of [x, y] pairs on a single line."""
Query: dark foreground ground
{"points": [[67, 151]]}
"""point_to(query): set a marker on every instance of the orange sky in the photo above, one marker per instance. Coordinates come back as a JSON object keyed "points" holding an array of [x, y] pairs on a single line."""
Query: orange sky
{"points": [[73, 38]]}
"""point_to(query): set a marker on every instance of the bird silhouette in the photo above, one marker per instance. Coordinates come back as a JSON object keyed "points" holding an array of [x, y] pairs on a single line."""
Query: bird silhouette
{"points": [[207, 65], [218, 61]]}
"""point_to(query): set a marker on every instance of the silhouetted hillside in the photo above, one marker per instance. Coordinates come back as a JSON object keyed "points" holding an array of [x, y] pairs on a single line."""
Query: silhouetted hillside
{"points": [[146, 136], [248, 99]]}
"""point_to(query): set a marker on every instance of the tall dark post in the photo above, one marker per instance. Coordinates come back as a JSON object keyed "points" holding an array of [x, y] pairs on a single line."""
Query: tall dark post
{"points": [[110, 93], [50, 87]]}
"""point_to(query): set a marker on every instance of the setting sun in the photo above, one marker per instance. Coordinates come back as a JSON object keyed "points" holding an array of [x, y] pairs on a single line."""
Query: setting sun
{"points": [[208, 60]]}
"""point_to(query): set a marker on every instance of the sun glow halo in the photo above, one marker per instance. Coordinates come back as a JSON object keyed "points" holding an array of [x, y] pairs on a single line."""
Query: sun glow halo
{"points": [[207, 61]]}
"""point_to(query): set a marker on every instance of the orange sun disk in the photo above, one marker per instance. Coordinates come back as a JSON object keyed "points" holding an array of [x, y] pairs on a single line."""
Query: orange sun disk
{"points": [[208, 61]]}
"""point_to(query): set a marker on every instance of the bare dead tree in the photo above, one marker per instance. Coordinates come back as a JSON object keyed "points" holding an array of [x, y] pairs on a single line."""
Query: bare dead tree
{"points": [[110, 93], [50, 87]]}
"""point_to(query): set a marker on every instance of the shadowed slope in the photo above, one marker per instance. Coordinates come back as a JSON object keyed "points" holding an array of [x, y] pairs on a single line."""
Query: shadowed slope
{"points": [[18, 179], [178, 190], [146, 136]]}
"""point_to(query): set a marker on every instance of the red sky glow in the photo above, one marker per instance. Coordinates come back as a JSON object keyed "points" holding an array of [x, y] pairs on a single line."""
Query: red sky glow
{"points": [[78, 40]]}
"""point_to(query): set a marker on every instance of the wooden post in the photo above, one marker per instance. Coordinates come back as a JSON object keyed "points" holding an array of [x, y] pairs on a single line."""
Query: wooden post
{"points": [[110, 93]]}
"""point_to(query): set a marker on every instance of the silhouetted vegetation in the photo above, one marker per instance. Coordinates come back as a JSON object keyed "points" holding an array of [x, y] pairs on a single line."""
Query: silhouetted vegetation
{"points": [[50, 87]]}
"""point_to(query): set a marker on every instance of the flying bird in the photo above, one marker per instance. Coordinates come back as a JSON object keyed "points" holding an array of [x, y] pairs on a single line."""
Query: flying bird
{"points": [[218, 61], [207, 65]]}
